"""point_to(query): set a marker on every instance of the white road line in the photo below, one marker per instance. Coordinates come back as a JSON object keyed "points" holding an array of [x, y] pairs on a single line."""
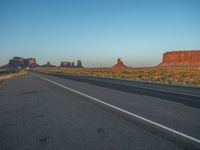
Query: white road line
{"points": [[124, 111]]}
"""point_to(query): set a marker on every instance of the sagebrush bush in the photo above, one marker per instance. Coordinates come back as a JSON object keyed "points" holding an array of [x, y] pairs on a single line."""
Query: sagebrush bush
{"points": [[7, 74], [170, 75]]}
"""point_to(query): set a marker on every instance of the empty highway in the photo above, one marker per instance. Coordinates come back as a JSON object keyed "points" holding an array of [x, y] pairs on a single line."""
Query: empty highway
{"points": [[51, 112]]}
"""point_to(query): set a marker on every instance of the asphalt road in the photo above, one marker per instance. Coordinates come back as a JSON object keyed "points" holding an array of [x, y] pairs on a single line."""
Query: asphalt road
{"points": [[40, 112], [183, 94]]}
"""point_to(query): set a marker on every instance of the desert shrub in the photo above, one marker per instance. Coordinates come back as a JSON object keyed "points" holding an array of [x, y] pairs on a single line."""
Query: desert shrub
{"points": [[12, 74], [170, 75]]}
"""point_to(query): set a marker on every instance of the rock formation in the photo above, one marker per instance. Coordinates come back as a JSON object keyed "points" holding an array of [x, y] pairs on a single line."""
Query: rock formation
{"points": [[119, 64], [181, 58], [68, 64], [79, 64], [19, 62], [48, 64], [65, 64], [30, 62]]}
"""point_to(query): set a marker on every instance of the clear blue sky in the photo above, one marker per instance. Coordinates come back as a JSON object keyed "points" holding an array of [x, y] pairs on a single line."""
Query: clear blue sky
{"points": [[97, 31]]}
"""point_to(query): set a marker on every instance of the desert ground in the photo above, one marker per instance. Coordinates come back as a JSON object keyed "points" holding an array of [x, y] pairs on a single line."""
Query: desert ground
{"points": [[169, 75]]}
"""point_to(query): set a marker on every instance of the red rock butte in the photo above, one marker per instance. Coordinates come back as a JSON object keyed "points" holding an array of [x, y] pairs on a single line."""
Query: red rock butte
{"points": [[119, 64], [22, 62], [181, 58]]}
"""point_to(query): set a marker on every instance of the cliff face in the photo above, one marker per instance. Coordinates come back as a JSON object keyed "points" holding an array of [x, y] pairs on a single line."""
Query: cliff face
{"points": [[68, 64], [181, 58], [31, 62], [22, 62]]}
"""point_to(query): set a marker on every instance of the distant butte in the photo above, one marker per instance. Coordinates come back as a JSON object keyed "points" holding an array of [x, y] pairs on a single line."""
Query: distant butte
{"points": [[119, 64], [68, 64], [48, 64], [181, 58], [19, 62]]}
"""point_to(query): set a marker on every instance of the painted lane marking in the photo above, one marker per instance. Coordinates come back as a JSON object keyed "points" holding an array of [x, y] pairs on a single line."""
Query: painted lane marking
{"points": [[123, 111]]}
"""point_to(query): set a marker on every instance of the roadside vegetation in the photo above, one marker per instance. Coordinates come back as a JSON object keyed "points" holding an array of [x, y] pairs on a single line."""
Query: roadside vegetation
{"points": [[11, 73], [168, 75]]}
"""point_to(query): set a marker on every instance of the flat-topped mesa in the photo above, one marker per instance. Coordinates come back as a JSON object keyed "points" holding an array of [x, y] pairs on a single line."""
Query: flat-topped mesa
{"points": [[31, 62], [119, 64], [67, 64], [181, 58], [17, 62]]}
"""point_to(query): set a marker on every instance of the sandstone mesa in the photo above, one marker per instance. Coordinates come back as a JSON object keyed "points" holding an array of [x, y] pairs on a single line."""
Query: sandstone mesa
{"points": [[181, 58], [170, 59]]}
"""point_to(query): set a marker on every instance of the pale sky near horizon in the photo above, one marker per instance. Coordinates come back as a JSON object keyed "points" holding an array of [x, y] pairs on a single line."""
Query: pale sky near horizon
{"points": [[97, 31]]}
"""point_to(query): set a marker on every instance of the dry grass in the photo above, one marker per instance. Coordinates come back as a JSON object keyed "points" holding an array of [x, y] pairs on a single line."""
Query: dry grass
{"points": [[169, 75], [11, 73]]}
